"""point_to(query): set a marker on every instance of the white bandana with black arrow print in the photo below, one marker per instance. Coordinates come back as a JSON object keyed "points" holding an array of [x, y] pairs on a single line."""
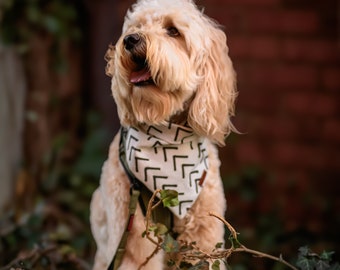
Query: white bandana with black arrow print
{"points": [[168, 157]]}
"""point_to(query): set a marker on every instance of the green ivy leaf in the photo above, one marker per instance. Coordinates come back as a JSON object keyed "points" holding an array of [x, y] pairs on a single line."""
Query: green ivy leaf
{"points": [[306, 263], [152, 228], [169, 197], [219, 245], [327, 256], [322, 265], [304, 251], [158, 229], [216, 265], [170, 244], [66, 250], [234, 242]]}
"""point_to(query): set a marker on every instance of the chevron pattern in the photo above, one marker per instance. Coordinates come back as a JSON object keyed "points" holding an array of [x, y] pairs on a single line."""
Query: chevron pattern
{"points": [[168, 157]]}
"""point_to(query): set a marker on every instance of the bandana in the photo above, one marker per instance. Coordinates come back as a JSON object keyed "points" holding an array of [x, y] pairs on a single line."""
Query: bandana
{"points": [[168, 157]]}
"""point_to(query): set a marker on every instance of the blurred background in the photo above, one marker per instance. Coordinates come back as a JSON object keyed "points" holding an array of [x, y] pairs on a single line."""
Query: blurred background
{"points": [[57, 118]]}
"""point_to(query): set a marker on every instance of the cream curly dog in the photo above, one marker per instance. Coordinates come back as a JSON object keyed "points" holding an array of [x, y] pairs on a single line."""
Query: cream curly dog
{"points": [[174, 86]]}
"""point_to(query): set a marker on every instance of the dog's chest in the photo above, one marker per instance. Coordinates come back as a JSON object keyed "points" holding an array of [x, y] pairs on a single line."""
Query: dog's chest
{"points": [[168, 157]]}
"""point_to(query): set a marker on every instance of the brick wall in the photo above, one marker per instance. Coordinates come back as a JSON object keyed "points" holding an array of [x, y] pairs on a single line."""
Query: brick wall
{"points": [[286, 54]]}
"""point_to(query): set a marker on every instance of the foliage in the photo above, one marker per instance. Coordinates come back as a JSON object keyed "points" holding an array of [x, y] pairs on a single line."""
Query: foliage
{"points": [[56, 22], [274, 218], [308, 260], [20, 19], [55, 234], [169, 198], [190, 252]]}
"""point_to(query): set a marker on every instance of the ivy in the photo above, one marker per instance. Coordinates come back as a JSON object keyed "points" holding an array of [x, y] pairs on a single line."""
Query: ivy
{"points": [[169, 244], [169, 198], [191, 252], [308, 260], [216, 265]]}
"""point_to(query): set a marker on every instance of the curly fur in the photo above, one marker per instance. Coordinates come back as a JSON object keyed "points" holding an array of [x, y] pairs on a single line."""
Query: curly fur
{"points": [[193, 80]]}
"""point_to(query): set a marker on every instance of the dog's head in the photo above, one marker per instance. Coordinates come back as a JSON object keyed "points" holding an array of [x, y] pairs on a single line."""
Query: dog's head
{"points": [[171, 62]]}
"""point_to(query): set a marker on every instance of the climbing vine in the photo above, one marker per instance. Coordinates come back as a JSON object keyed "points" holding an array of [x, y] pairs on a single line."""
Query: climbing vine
{"points": [[307, 260]]}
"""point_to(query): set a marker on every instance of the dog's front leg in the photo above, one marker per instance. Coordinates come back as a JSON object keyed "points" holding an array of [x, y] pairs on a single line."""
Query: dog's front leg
{"points": [[139, 248], [99, 231], [206, 231]]}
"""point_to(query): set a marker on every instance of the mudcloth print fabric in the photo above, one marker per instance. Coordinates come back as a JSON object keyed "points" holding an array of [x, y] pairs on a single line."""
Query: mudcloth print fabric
{"points": [[168, 157]]}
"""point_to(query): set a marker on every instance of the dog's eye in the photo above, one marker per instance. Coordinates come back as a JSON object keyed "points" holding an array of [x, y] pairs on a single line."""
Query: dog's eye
{"points": [[172, 31]]}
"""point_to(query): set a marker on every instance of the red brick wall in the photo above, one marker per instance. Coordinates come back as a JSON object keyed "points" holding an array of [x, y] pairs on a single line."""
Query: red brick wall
{"points": [[286, 54]]}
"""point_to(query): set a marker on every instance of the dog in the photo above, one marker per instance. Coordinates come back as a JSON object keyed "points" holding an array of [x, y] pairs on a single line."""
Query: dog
{"points": [[175, 89]]}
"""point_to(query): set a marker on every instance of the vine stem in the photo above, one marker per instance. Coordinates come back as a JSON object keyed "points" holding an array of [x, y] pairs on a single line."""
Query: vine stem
{"points": [[230, 228], [220, 254], [264, 255], [147, 227], [243, 248], [148, 215]]}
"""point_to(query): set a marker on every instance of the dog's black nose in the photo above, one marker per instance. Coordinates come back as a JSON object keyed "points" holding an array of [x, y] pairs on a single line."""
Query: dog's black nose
{"points": [[130, 41]]}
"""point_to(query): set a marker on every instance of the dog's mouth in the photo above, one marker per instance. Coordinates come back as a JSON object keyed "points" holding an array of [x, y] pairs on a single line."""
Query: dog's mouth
{"points": [[141, 75]]}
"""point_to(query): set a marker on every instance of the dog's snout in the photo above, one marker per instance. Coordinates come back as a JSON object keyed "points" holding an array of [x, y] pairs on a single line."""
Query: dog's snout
{"points": [[130, 41]]}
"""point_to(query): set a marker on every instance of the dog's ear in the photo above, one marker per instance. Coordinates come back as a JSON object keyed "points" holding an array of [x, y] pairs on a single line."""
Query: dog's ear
{"points": [[122, 101], [109, 57], [213, 104]]}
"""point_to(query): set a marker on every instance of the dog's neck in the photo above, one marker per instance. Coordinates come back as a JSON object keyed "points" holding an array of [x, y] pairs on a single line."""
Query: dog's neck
{"points": [[168, 157], [182, 116]]}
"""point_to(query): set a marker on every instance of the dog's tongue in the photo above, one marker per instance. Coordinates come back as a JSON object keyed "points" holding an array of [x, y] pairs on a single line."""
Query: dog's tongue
{"points": [[140, 75]]}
